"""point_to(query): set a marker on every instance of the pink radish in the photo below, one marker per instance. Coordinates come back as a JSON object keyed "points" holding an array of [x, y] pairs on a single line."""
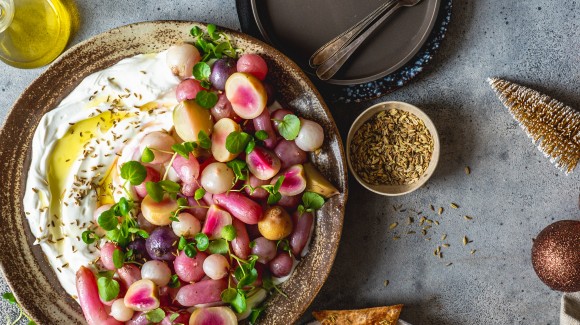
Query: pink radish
{"points": [[186, 169], [88, 293], [203, 292], [241, 244], [240, 206], [264, 123], [215, 221]]}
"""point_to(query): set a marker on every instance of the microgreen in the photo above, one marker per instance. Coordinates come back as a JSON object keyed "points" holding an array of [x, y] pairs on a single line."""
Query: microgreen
{"points": [[284, 245], [108, 220], [256, 312], [199, 193], [173, 317], [251, 145], [240, 169], [174, 281], [118, 258], [203, 140], [289, 126], [214, 44], [229, 233], [157, 190], [206, 99], [108, 288], [201, 71], [218, 246], [133, 172], [237, 141], [273, 190], [202, 241], [187, 247], [310, 202], [261, 135], [156, 315], [183, 149], [89, 237], [147, 156], [8, 296]]}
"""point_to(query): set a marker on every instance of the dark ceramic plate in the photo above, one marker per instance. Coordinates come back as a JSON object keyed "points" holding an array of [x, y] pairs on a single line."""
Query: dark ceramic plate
{"points": [[28, 273], [299, 27], [381, 86]]}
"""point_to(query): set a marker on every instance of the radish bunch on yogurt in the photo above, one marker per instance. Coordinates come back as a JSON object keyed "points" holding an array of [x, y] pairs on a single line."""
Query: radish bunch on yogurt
{"points": [[218, 209]]}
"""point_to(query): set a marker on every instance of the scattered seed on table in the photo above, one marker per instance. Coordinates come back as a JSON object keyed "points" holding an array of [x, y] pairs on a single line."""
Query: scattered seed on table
{"points": [[440, 212], [449, 264], [473, 251], [465, 240], [386, 283], [444, 237], [393, 225], [445, 245], [467, 217], [454, 205], [467, 170]]}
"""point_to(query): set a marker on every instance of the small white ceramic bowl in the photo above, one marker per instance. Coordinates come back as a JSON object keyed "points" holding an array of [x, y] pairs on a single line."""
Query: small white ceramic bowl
{"points": [[395, 190]]}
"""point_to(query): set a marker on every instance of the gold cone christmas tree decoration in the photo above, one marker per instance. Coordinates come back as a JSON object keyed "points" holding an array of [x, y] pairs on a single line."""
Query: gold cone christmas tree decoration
{"points": [[553, 126]]}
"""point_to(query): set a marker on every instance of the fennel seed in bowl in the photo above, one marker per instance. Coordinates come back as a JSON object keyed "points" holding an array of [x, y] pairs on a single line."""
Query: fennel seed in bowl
{"points": [[393, 147]]}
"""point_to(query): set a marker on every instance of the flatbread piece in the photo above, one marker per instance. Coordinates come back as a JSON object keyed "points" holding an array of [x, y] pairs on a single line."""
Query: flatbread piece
{"points": [[388, 315]]}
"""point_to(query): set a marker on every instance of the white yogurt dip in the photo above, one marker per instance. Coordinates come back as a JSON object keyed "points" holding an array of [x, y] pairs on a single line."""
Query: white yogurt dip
{"points": [[77, 150]]}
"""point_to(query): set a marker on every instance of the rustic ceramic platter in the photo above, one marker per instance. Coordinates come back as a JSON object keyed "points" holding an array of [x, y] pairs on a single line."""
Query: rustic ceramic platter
{"points": [[25, 268]]}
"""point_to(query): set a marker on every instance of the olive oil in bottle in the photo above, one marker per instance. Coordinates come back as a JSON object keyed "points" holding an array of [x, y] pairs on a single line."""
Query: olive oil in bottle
{"points": [[33, 32]]}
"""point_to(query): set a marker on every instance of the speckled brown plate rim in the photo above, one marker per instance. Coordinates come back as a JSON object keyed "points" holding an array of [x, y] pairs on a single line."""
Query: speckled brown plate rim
{"points": [[23, 265]]}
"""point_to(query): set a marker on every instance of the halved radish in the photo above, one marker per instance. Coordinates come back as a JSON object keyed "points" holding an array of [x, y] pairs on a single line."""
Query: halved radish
{"points": [[221, 130], [213, 315], [189, 119], [215, 221], [247, 95]]}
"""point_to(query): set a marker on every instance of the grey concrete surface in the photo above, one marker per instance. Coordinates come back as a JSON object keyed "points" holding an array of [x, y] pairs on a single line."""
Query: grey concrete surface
{"points": [[512, 192]]}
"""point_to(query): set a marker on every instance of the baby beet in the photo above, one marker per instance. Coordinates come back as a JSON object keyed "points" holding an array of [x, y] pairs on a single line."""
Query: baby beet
{"points": [[142, 296], [161, 244]]}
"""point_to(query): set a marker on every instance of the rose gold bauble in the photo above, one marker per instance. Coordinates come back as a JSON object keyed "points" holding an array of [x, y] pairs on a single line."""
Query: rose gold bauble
{"points": [[556, 255]]}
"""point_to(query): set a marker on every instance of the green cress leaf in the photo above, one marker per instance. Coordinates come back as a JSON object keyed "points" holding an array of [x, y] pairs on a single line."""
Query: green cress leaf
{"points": [[251, 145], [261, 135], [229, 295], [142, 233], [239, 167], [118, 258], [252, 244], [147, 156], [199, 193], [182, 243], [169, 186], [88, 237], [201, 71], [211, 29], [107, 220], [173, 317], [218, 246], [124, 206], [196, 31], [256, 312], [203, 139], [279, 183], [182, 202], [116, 236], [156, 315], [229, 232], [9, 297], [206, 99], [155, 191], [181, 149], [289, 127], [312, 201], [274, 198], [134, 172], [174, 281], [202, 241], [237, 141], [250, 277], [108, 288], [205, 84], [190, 251], [239, 302]]}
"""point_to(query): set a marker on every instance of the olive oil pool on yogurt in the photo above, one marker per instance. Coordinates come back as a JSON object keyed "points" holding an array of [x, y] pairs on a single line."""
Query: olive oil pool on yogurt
{"points": [[34, 32]]}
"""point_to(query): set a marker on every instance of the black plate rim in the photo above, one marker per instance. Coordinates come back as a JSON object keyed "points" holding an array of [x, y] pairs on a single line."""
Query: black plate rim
{"points": [[351, 82]]}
